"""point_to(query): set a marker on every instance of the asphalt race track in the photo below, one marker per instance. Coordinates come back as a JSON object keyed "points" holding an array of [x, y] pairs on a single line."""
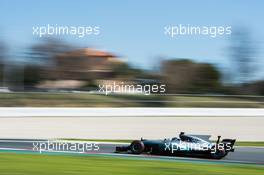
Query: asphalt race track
{"points": [[244, 155]]}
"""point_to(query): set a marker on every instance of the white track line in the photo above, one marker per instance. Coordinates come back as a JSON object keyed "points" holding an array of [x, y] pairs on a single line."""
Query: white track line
{"points": [[126, 112]]}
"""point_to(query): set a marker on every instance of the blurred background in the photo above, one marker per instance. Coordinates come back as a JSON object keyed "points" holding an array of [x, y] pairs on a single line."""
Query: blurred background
{"points": [[198, 71]]}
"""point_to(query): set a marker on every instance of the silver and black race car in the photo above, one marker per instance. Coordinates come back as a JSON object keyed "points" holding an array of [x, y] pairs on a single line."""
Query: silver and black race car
{"points": [[184, 145]]}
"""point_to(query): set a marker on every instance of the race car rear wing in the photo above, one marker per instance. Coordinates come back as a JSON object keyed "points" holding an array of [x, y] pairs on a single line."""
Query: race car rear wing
{"points": [[228, 143]]}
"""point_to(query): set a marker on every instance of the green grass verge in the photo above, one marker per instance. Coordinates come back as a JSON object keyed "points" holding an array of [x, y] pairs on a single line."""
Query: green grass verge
{"points": [[249, 144], [225, 102], [92, 100], [28, 164]]}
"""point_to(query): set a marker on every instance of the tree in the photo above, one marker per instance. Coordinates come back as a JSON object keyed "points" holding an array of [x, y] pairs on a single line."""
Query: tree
{"points": [[32, 75], [2, 56], [2, 50], [45, 51], [41, 60], [124, 70], [207, 78], [242, 55], [186, 76]]}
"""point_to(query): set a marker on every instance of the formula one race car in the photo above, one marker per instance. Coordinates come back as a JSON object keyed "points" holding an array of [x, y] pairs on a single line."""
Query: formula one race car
{"points": [[185, 145]]}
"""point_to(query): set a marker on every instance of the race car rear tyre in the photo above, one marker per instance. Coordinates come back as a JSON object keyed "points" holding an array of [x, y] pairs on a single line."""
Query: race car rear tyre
{"points": [[137, 147], [218, 154]]}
